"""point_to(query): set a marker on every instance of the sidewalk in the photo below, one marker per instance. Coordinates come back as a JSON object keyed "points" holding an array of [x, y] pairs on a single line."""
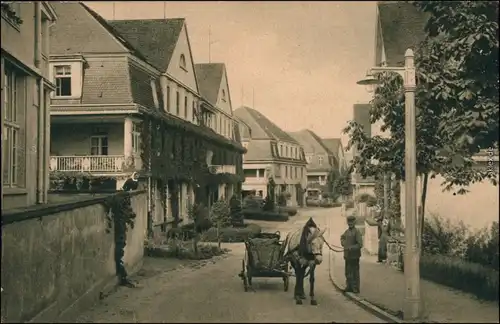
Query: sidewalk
{"points": [[384, 286]]}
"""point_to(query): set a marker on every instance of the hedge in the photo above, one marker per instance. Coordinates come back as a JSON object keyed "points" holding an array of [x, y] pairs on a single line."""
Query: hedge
{"points": [[264, 215], [291, 211], [232, 234], [455, 273]]}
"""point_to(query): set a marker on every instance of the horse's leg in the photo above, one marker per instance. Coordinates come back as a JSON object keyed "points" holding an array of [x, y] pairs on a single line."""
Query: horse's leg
{"points": [[311, 284], [302, 293], [299, 283]]}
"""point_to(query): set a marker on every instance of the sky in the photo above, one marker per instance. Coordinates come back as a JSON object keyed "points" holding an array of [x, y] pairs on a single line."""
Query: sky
{"points": [[295, 62]]}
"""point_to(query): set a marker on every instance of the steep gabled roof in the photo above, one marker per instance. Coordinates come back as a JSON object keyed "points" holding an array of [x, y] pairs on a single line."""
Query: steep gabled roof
{"points": [[154, 38], [311, 142], [262, 127], [402, 26], [333, 144], [209, 77], [79, 29]]}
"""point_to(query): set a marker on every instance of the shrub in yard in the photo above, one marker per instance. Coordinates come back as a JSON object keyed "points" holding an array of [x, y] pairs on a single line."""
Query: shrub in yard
{"points": [[468, 277], [235, 212], [182, 250], [265, 215], [291, 211], [482, 247], [367, 198], [232, 234]]}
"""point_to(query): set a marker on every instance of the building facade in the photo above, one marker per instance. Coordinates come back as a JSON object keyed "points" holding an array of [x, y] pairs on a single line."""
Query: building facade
{"points": [[26, 87], [123, 106], [271, 153], [320, 162], [335, 146]]}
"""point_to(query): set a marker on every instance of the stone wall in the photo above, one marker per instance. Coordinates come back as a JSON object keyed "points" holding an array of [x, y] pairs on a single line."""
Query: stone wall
{"points": [[59, 258]]}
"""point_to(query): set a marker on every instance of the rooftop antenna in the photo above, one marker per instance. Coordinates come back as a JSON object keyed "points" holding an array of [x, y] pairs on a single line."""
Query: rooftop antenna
{"points": [[113, 10]]}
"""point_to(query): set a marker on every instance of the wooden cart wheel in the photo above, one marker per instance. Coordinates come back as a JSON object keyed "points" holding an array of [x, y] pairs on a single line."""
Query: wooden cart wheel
{"points": [[244, 275], [286, 283]]}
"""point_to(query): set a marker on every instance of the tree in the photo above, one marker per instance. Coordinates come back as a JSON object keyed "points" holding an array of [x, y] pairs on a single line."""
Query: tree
{"points": [[343, 184], [457, 105]]}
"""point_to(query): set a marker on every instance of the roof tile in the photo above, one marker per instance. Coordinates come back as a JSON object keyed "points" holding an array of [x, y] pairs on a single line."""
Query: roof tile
{"points": [[261, 127], [209, 77], [154, 38]]}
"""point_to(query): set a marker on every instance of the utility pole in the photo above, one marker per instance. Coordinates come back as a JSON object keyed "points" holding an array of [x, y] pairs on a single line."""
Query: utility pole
{"points": [[164, 10], [113, 10]]}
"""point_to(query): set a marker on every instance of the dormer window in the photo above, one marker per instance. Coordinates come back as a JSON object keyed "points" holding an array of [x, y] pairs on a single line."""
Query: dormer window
{"points": [[182, 62], [63, 80], [223, 95]]}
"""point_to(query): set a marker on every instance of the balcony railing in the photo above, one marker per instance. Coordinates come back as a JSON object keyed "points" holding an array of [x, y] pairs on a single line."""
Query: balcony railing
{"points": [[225, 169], [88, 163]]}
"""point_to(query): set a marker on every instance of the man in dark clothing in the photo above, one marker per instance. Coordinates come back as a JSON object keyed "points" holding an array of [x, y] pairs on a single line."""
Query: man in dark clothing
{"points": [[352, 243]]}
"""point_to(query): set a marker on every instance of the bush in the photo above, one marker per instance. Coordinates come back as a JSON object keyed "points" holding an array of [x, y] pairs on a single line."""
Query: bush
{"points": [[182, 250], [482, 247], [264, 215], [291, 211], [367, 198], [468, 277], [232, 234]]}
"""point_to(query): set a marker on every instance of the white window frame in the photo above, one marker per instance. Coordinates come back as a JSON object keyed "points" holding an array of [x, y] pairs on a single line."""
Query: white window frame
{"points": [[320, 160], [99, 145], [11, 129], [136, 138], [308, 158], [66, 73]]}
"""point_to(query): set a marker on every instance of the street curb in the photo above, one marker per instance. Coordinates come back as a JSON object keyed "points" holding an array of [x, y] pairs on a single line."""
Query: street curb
{"points": [[366, 305]]}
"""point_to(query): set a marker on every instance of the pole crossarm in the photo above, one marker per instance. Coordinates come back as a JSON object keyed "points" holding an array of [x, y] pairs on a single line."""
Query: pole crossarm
{"points": [[378, 70]]}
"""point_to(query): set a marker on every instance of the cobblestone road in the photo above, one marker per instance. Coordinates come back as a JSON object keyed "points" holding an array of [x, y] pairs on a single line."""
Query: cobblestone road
{"points": [[214, 293]]}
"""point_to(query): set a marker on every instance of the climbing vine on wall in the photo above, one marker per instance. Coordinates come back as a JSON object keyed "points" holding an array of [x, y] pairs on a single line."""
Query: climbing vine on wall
{"points": [[379, 191], [121, 216]]}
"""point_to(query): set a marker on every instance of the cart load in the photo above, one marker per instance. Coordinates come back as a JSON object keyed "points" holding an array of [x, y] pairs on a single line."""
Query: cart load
{"points": [[264, 253]]}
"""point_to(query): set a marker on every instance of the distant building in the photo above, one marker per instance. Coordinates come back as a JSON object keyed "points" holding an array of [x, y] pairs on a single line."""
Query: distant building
{"points": [[271, 153], [26, 88], [335, 146], [320, 162]]}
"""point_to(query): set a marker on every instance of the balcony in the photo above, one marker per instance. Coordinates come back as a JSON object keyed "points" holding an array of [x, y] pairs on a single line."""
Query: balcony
{"points": [[88, 163], [224, 169]]}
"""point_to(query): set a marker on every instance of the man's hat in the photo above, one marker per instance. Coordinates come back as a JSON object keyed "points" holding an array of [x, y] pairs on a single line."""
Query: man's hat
{"points": [[351, 218]]}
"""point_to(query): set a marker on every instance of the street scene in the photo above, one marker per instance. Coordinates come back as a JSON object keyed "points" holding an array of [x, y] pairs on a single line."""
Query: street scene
{"points": [[250, 161]]}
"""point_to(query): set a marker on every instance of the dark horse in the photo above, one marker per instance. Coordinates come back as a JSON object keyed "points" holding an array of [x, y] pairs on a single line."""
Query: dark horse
{"points": [[304, 250]]}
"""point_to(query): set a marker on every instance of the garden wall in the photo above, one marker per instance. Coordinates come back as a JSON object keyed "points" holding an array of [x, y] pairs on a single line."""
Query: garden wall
{"points": [[58, 259]]}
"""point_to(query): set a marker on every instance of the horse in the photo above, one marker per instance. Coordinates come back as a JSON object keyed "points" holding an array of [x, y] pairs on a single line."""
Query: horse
{"points": [[304, 250]]}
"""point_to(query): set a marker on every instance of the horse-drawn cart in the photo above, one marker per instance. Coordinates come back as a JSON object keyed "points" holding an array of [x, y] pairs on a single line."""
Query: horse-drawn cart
{"points": [[264, 258]]}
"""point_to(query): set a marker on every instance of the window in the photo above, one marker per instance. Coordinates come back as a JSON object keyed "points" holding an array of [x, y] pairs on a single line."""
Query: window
{"points": [[11, 124], [136, 138], [280, 147], [168, 98], [286, 171], [223, 95], [308, 159], [177, 103], [63, 80], [99, 145], [185, 107], [286, 151], [320, 160], [296, 172], [195, 112], [182, 62]]}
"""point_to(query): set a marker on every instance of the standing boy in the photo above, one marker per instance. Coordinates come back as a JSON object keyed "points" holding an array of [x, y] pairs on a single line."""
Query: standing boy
{"points": [[352, 243]]}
